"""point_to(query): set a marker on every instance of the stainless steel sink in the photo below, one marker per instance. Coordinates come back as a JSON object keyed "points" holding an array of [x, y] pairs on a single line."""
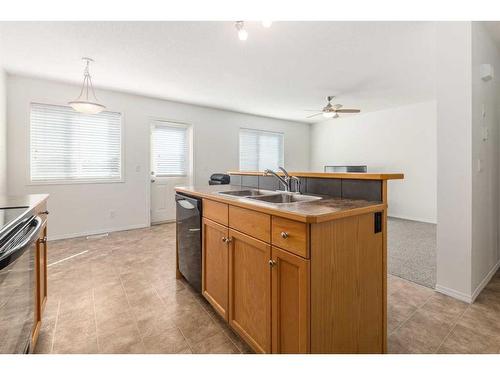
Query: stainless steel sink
{"points": [[247, 193], [284, 198]]}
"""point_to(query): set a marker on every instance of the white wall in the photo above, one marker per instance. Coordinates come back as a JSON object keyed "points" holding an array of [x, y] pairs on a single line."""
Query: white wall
{"points": [[399, 139], [485, 183], [84, 208], [3, 132], [454, 182]]}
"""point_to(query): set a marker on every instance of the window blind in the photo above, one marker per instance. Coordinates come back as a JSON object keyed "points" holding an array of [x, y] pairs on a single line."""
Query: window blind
{"points": [[69, 146], [260, 150], [170, 149]]}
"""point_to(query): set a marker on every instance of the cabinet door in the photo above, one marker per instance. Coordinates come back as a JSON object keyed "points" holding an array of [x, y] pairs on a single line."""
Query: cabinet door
{"points": [[290, 302], [250, 290], [215, 266]]}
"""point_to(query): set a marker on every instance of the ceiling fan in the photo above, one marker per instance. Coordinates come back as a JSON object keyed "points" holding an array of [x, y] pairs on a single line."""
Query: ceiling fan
{"points": [[332, 110]]}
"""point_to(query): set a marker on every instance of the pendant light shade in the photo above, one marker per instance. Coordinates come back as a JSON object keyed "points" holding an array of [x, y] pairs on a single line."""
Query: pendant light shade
{"points": [[87, 101]]}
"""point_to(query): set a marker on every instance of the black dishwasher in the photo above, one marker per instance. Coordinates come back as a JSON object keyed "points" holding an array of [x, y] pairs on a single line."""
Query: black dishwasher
{"points": [[188, 226]]}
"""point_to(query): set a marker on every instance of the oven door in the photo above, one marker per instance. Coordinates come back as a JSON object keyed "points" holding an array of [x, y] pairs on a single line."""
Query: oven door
{"points": [[17, 287]]}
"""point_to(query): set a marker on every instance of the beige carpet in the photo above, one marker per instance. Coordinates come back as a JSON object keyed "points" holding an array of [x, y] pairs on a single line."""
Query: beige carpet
{"points": [[411, 249]]}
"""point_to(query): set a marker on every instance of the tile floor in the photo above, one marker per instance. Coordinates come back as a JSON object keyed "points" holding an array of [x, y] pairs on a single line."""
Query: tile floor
{"points": [[118, 294]]}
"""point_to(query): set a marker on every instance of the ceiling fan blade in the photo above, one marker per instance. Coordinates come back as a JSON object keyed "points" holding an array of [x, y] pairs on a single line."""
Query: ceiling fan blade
{"points": [[317, 114], [337, 106], [346, 110]]}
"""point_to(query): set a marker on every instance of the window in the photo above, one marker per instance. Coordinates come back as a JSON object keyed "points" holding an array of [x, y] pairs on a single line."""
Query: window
{"points": [[68, 146], [260, 150], [169, 149]]}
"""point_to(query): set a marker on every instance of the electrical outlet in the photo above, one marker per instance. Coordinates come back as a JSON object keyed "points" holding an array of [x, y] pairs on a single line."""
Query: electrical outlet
{"points": [[485, 133]]}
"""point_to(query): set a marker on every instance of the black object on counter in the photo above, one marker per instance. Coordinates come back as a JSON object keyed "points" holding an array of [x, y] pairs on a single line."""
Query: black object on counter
{"points": [[219, 179]]}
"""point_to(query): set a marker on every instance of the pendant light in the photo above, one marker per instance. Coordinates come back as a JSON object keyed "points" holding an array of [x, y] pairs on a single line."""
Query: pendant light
{"points": [[87, 101]]}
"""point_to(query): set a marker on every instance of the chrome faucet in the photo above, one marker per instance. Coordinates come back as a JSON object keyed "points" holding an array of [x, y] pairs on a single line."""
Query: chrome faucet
{"points": [[286, 181]]}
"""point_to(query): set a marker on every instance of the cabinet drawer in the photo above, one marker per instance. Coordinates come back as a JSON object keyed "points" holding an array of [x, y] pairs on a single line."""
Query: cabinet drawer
{"points": [[215, 211], [291, 235], [253, 223]]}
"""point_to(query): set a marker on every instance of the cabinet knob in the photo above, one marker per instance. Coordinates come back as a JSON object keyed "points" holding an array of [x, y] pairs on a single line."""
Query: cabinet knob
{"points": [[43, 240], [229, 239], [272, 263], [284, 235], [44, 212], [224, 239]]}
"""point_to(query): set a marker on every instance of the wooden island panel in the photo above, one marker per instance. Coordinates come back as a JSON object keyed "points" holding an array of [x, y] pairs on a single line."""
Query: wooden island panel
{"points": [[347, 286]]}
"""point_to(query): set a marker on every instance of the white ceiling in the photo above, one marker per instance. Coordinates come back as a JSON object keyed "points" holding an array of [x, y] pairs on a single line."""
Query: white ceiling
{"points": [[277, 72]]}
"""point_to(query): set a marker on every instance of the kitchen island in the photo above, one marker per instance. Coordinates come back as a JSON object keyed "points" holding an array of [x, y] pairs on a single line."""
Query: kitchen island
{"points": [[299, 277]]}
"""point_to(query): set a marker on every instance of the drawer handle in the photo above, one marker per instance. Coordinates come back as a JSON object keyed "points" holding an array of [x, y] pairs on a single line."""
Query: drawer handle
{"points": [[284, 235], [272, 263]]}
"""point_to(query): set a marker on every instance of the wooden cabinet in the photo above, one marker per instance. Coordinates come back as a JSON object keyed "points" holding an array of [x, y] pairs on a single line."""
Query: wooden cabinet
{"points": [[42, 266], [291, 235], [253, 223], [250, 290], [215, 261], [40, 283], [215, 211], [290, 303], [292, 287]]}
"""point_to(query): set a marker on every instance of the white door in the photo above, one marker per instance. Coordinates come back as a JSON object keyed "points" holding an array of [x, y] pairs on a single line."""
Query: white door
{"points": [[170, 166]]}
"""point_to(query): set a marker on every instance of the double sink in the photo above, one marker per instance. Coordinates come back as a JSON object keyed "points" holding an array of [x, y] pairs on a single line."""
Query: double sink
{"points": [[270, 196]]}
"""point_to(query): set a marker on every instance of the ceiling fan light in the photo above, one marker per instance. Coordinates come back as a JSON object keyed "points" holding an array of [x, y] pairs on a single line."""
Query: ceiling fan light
{"points": [[330, 114], [242, 33]]}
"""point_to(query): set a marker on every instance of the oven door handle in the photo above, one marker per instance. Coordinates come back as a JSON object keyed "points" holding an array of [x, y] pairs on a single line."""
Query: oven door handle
{"points": [[29, 238]]}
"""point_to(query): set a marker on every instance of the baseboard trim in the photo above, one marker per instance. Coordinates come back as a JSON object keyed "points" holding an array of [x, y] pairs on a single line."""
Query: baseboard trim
{"points": [[94, 232], [454, 293], [413, 219], [163, 222], [485, 281]]}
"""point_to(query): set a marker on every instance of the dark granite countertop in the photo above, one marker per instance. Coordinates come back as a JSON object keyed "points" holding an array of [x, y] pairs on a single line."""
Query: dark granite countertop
{"points": [[325, 209]]}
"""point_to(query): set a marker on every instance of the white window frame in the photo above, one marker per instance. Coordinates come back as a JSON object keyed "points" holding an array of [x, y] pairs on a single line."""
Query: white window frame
{"points": [[190, 154], [260, 131], [29, 182]]}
